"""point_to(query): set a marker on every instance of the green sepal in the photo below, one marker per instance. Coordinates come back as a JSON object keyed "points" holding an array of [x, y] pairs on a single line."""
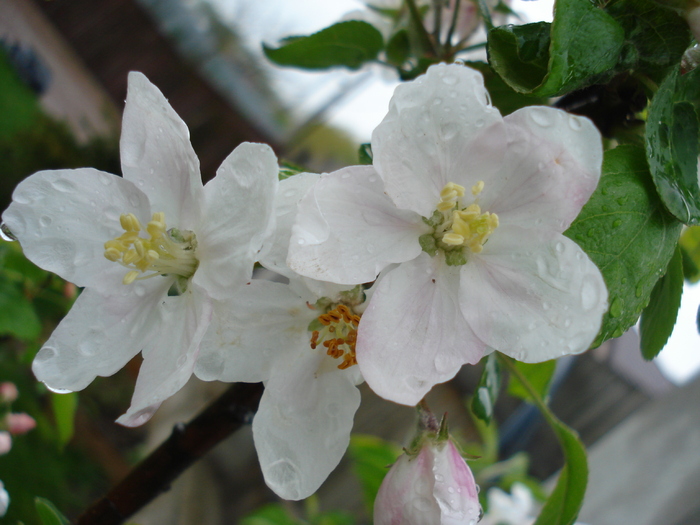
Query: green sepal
{"points": [[455, 257], [428, 244], [435, 220], [48, 513]]}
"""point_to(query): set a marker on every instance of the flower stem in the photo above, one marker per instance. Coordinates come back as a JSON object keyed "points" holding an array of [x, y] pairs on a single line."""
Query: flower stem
{"points": [[187, 443]]}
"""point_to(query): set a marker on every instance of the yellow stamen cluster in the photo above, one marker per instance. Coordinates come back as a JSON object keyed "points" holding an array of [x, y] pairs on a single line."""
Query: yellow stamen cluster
{"points": [[464, 226], [162, 253], [338, 335]]}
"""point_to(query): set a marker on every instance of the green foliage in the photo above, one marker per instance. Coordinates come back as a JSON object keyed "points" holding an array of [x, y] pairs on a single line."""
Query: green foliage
{"points": [[365, 154], [655, 36], [18, 317], [349, 44], [48, 513], [659, 317], [505, 98], [628, 234], [64, 406], [690, 250], [581, 47], [371, 456], [539, 375], [487, 390], [272, 514], [672, 144]]}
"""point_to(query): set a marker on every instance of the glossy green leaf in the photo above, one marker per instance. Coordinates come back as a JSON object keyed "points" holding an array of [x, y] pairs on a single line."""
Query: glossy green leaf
{"points": [[18, 317], [487, 390], [581, 47], [628, 234], [64, 406], [672, 144], [48, 513], [398, 49], [371, 458], [655, 35], [659, 317], [505, 98], [349, 44], [538, 374]]}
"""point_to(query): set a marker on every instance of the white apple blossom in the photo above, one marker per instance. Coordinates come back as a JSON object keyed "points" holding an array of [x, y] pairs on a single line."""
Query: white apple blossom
{"points": [[299, 339], [433, 487], [155, 250], [472, 207]]}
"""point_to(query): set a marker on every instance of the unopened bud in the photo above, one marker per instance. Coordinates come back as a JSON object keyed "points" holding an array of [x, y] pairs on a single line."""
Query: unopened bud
{"points": [[5, 442], [20, 423], [8, 392]]}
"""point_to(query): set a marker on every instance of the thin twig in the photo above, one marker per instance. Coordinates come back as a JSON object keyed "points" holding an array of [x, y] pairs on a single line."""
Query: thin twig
{"points": [[187, 443]]}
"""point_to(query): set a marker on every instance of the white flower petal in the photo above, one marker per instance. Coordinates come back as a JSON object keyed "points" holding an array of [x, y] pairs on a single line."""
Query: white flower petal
{"points": [[290, 192], [168, 359], [545, 173], [422, 143], [156, 153], [302, 427], [412, 335], [262, 322], [237, 216], [348, 230], [63, 218], [99, 336], [533, 296]]}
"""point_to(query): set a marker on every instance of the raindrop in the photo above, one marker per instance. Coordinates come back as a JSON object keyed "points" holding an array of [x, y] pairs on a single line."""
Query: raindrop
{"points": [[559, 247], [479, 123], [63, 185], [289, 193], [106, 179], [86, 347], [638, 290], [545, 306], [567, 323], [58, 390], [616, 307], [616, 223], [541, 117], [151, 171], [450, 80], [574, 123], [622, 200], [301, 241], [6, 234], [440, 478], [451, 490], [45, 220], [449, 130], [591, 232], [437, 101]]}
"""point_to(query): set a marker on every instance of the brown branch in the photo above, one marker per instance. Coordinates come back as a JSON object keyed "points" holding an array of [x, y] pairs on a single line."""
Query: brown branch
{"points": [[186, 444]]}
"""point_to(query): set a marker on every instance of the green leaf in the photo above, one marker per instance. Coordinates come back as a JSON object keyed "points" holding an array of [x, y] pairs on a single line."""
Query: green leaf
{"points": [[580, 48], [289, 169], [18, 317], [672, 144], [690, 248], [64, 406], [48, 513], [333, 518], [371, 457], [659, 318], [349, 44], [398, 49], [271, 514], [564, 503], [628, 234], [487, 390], [538, 374], [365, 154], [655, 36], [505, 98]]}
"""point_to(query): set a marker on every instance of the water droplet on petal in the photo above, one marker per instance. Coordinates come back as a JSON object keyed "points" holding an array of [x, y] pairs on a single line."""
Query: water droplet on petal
{"points": [[301, 241], [575, 123], [479, 123], [450, 80], [63, 185], [449, 130], [437, 101], [541, 117], [45, 220], [58, 390]]}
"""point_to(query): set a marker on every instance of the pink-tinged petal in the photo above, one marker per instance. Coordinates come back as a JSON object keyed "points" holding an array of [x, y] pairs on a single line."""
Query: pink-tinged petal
{"points": [[156, 153], [413, 335], [436, 487], [533, 296], [262, 322], [302, 427], [63, 218], [422, 143], [348, 230], [169, 357], [290, 192], [19, 423], [5, 443], [100, 334], [238, 213], [544, 173]]}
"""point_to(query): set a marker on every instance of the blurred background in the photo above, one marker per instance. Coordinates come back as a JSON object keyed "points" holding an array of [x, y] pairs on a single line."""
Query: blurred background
{"points": [[63, 73]]}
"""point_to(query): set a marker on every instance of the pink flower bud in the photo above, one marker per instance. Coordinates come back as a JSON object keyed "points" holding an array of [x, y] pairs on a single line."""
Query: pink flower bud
{"points": [[436, 487], [5, 442], [20, 423], [8, 392]]}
